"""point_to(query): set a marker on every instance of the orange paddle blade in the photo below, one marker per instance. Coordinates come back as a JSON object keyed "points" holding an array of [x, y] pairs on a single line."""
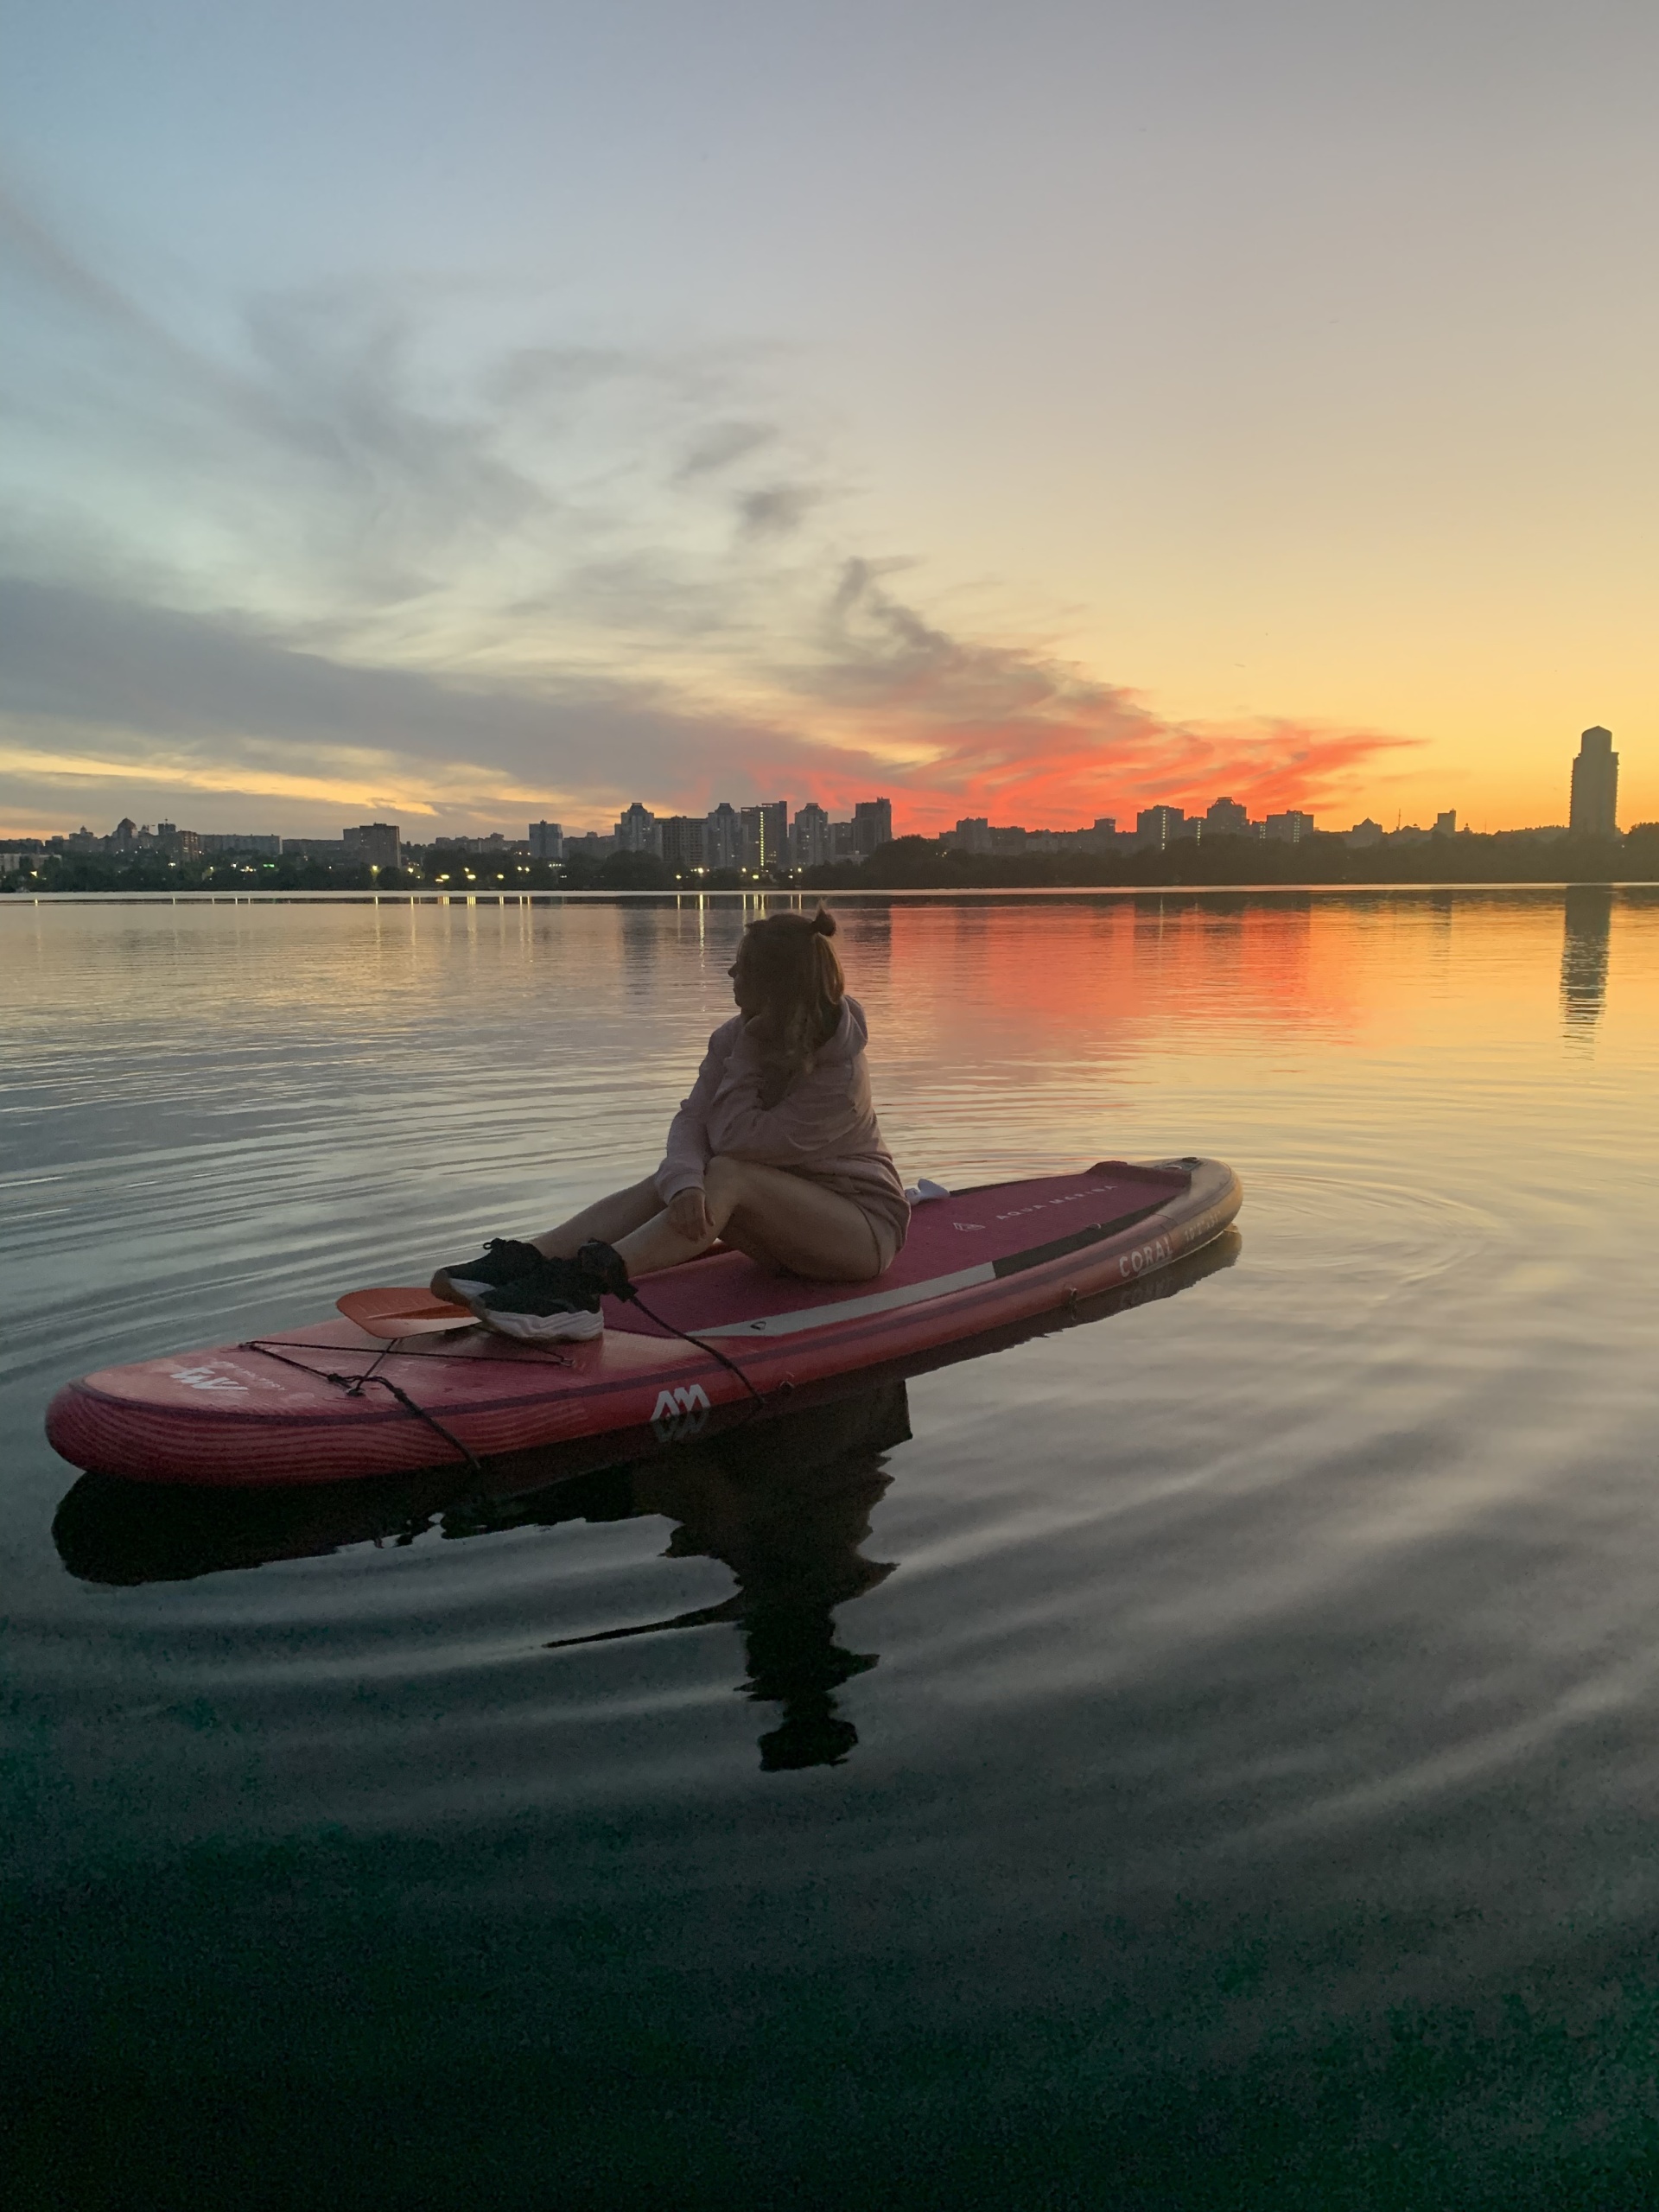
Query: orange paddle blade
{"points": [[403, 1312]]}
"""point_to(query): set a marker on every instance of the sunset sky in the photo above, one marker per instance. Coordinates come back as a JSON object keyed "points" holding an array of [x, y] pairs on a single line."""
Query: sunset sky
{"points": [[455, 414]]}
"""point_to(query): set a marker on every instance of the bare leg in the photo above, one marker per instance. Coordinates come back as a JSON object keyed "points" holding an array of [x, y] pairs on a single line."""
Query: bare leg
{"points": [[608, 1219], [780, 1219]]}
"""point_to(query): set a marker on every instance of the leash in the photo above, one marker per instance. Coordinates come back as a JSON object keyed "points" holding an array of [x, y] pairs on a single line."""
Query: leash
{"points": [[633, 1298], [609, 1270]]}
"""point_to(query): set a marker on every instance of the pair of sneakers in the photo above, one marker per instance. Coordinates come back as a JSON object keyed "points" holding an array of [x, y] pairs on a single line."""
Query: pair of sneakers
{"points": [[515, 1290]]}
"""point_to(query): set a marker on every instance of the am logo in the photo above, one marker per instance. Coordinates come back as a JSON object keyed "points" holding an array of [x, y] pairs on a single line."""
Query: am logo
{"points": [[680, 1414]]}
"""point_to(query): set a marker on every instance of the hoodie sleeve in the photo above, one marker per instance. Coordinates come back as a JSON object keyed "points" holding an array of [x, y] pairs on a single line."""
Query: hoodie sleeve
{"points": [[688, 1149], [821, 1116]]}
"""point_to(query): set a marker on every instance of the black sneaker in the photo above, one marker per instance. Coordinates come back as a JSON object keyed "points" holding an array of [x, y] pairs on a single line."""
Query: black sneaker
{"points": [[502, 1260], [558, 1304], [607, 1266]]}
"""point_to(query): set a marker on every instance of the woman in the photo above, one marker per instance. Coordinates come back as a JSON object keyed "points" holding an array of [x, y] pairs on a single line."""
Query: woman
{"points": [[777, 1150]]}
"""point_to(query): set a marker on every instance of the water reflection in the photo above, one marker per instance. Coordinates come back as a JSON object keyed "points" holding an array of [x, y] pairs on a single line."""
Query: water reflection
{"points": [[785, 1505], [1584, 954]]}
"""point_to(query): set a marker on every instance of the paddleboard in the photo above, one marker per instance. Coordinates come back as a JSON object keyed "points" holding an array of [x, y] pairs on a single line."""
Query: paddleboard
{"points": [[122, 1532], [336, 1401]]}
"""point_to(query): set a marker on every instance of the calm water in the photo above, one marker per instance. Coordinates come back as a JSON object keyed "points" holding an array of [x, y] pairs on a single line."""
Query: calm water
{"points": [[1207, 1756]]}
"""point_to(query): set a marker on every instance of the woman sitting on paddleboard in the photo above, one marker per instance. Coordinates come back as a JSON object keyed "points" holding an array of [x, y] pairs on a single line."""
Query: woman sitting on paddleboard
{"points": [[777, 1150]]}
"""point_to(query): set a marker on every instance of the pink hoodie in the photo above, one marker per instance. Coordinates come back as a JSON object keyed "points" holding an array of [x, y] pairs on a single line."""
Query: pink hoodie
{"points": [[824, 1126]]}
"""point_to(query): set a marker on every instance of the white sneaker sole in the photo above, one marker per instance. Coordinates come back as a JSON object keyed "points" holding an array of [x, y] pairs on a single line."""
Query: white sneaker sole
{"points": [[543, 1328]]}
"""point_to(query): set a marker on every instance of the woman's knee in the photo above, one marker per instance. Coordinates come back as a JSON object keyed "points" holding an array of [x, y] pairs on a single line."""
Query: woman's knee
{"points": [[725, 1181]]}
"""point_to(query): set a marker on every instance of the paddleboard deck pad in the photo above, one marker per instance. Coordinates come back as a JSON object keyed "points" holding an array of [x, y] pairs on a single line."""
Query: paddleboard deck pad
{"points": [[331, 1403]]}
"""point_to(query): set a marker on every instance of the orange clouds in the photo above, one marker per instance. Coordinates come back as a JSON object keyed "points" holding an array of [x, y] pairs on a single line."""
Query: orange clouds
{"points": [[950, 727]]}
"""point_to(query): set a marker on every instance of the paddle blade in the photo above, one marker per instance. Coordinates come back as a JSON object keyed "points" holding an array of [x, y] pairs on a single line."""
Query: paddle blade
{"points": [[403, 1312]]}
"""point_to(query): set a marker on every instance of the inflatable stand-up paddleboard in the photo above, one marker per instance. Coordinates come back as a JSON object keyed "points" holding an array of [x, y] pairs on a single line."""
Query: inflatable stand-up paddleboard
{"points": [[340, 1401]]}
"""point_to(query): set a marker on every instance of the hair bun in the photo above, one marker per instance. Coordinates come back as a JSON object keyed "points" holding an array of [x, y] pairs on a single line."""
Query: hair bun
{"points": [[823, 923]]}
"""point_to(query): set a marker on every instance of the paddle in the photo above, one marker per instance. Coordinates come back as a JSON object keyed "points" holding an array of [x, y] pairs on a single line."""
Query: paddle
{"points": [[403, 1312]]}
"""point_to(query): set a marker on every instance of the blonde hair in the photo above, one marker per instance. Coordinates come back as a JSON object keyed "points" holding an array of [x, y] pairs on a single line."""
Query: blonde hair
{"points": [[796, 977]]}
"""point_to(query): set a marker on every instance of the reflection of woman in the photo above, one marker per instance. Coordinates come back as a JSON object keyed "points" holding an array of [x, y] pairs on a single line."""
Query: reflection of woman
{"points": [[785, 1505], [777, 1150]]}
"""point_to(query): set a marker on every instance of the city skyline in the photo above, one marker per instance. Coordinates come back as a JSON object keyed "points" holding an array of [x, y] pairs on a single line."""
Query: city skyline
{"points": [[571, 428], [753, 836]]}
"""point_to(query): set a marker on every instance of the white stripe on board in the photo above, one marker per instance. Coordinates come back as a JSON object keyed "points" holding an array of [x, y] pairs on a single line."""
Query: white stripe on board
{"points": [[851, 1309]]}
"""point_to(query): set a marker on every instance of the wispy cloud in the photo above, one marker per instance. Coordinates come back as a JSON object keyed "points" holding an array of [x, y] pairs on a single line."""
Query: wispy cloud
{"points": [[317, 553]]}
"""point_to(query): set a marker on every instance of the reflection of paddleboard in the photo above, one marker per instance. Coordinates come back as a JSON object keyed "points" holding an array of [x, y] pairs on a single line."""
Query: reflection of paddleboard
{"points": [[333, 1403]]}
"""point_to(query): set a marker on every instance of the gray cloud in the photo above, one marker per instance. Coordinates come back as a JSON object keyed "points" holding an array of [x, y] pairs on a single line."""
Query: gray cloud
{"points": [[722, 446], [777, 510], [215, 692]]}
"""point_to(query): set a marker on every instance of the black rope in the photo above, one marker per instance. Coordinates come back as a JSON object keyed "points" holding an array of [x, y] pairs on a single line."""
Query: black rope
{"points": [[368, 1374], [633, 1297], [352, 1386], [528, 1357]]}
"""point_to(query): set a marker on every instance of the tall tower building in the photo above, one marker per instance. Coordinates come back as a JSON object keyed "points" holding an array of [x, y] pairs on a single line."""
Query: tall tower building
{"points": [[637, 831], [723, 836], [1595, 784], [809, 835], [871, 825], [685, 843], [378, 843], [766, 835]]}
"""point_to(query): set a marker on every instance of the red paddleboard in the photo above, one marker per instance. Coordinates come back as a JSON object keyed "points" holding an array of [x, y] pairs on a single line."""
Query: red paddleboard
{"points": [[337, 1400]]}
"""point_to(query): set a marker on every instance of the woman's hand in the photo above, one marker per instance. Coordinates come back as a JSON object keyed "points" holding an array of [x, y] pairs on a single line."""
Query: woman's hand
{"points": [[688, 1216]]}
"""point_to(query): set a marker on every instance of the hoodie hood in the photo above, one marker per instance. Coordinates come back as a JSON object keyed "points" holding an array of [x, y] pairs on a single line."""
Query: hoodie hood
{"points": [[852, 1034]]}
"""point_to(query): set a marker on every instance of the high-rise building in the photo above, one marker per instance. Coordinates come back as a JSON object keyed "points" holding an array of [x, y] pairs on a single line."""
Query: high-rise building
{"points": [[972, 834], [637, 831], [494, 846], [374, 844], [232, 840], [1445, 824], [546, 841], [1290, 827], [1158, 825], [685, 839], [1595, 786], [723, 837], [766, 836], [871, 825], [809, 835], [1227, 817]]}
